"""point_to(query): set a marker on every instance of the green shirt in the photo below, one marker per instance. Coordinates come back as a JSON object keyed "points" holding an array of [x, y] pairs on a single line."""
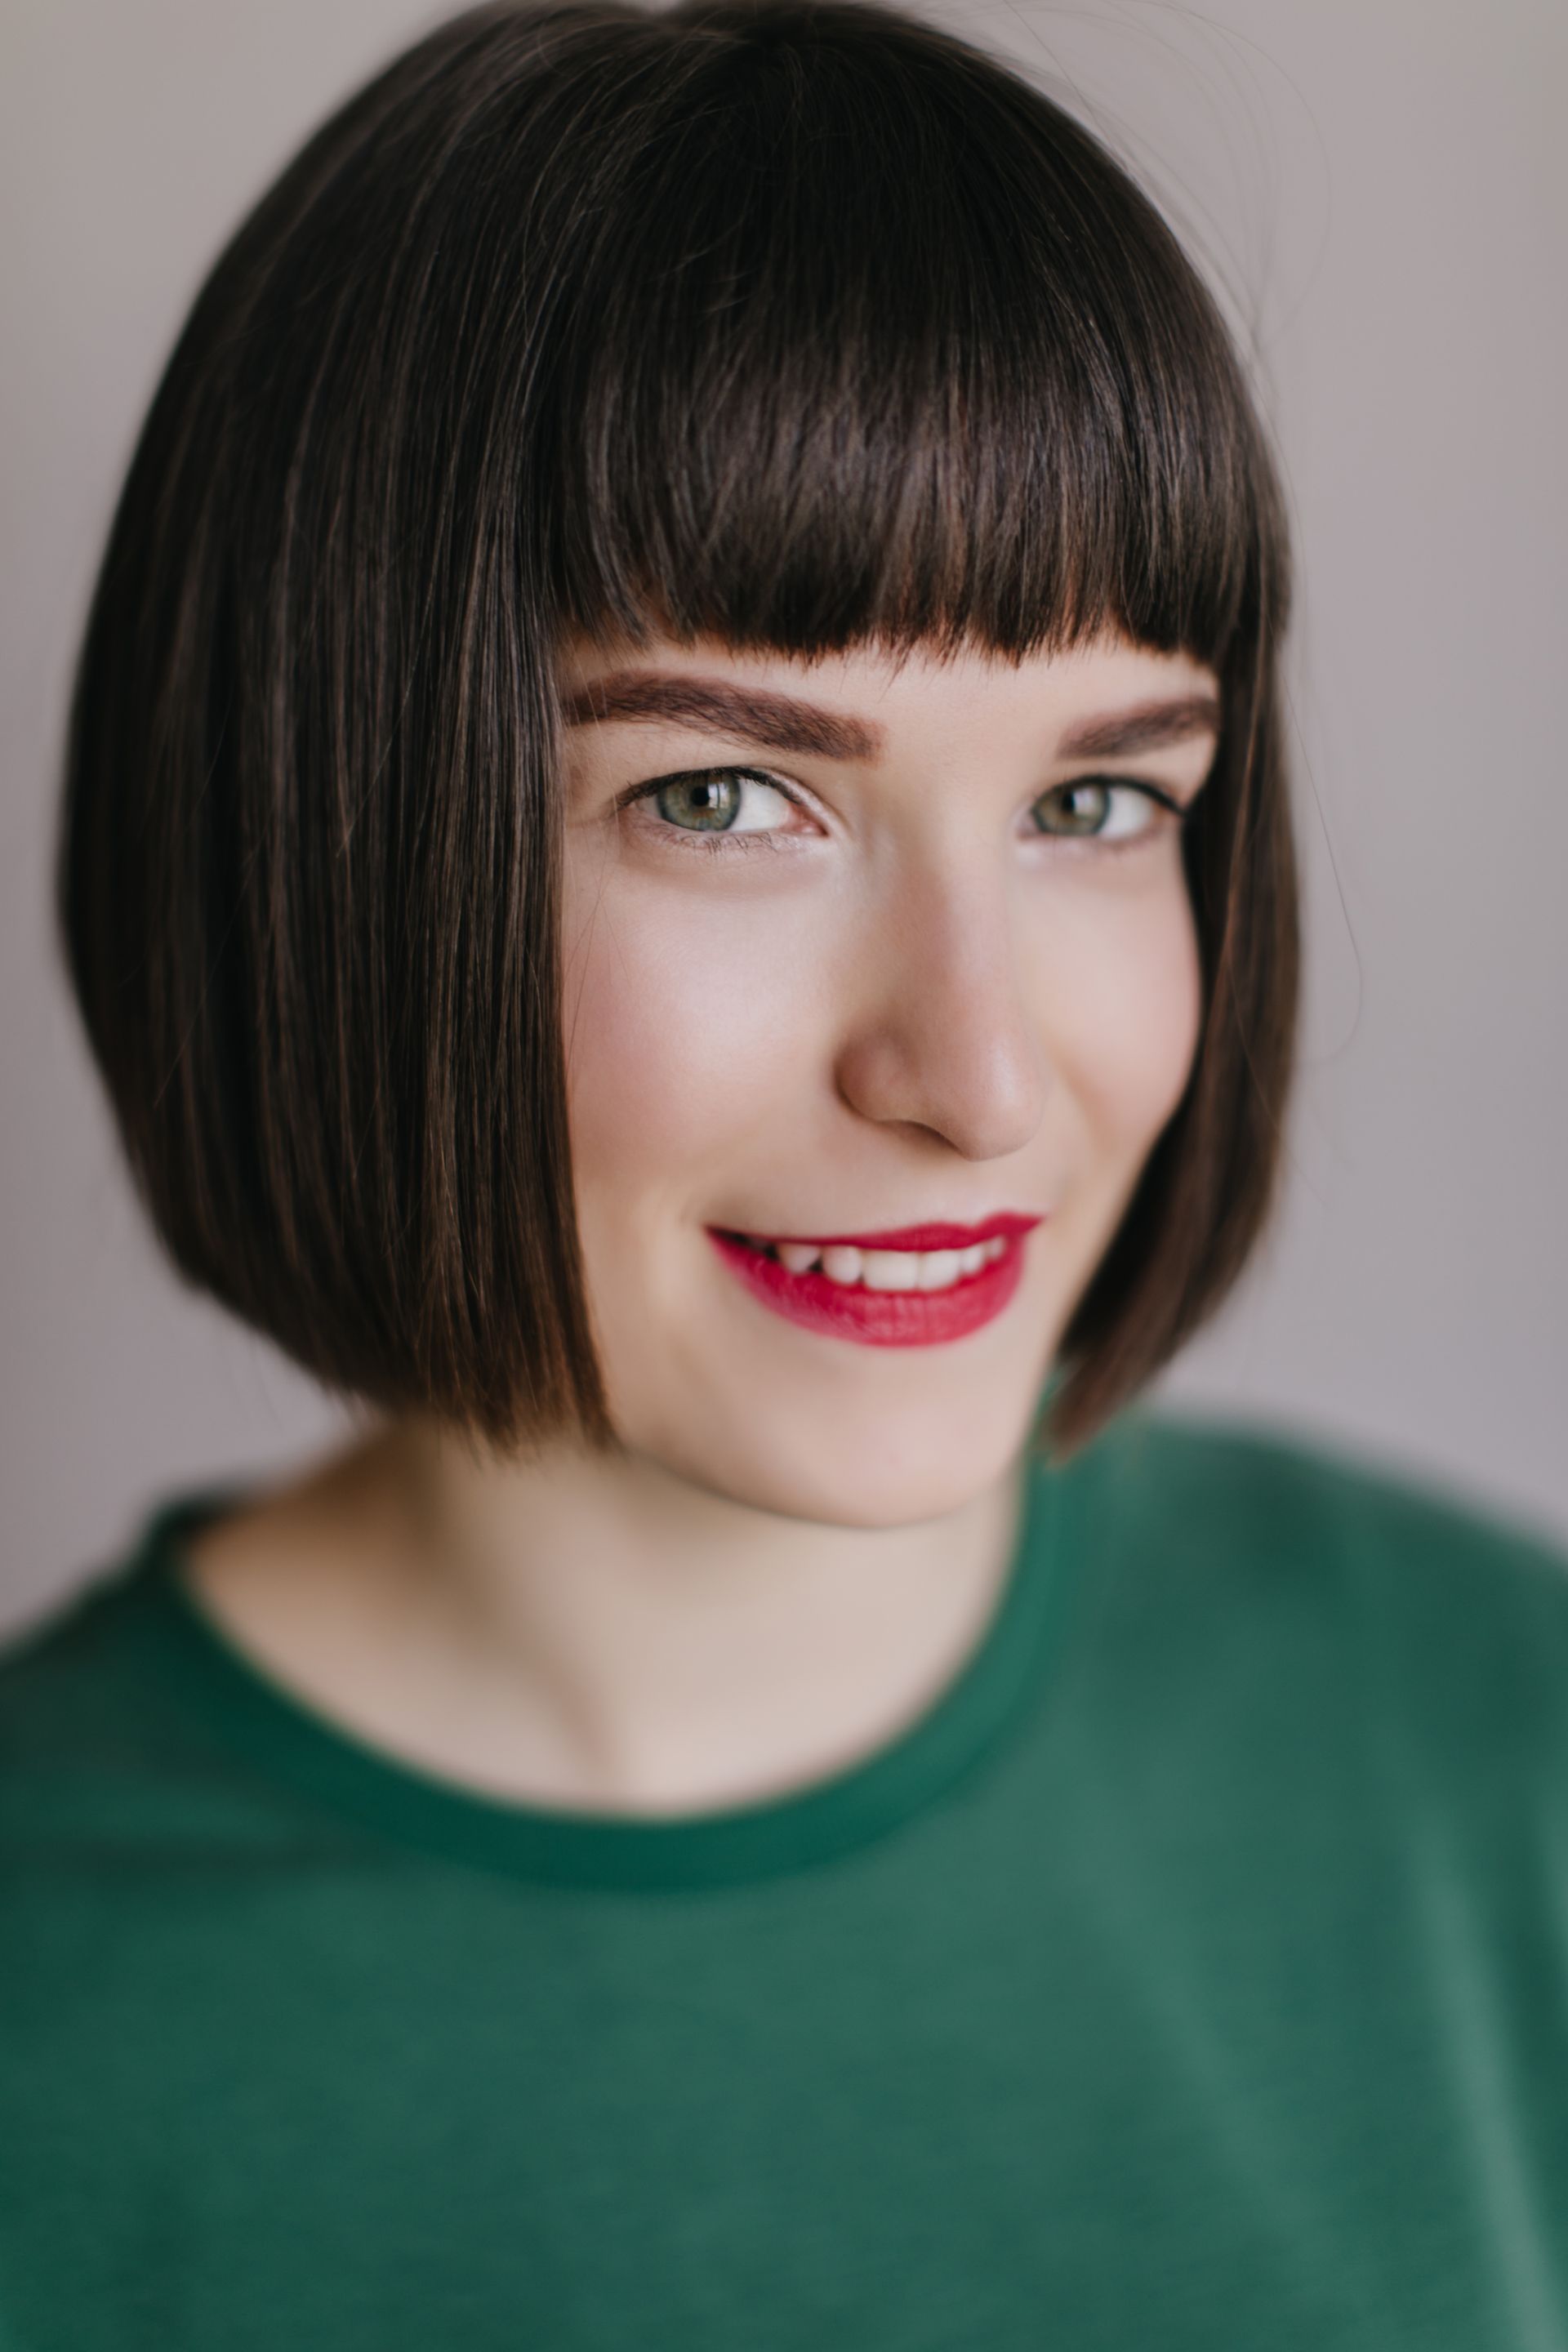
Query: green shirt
{"points": [[1191, 1977]]}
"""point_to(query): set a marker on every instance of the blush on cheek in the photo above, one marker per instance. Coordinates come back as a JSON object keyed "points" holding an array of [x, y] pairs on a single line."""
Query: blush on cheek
{"points": [[1168, 1036], [1127, 1024], [676, 1036]]}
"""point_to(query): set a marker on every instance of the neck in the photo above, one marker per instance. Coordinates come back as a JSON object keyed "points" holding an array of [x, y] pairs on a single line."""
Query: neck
{"points": [[593, 1631]]}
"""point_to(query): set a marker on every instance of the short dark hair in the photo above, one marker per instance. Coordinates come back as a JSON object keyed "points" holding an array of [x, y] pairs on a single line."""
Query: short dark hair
{"points": [[802, 322]]}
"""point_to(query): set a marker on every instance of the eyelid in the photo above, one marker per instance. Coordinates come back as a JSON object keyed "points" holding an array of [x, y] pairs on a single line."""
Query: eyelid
{"points": [[792, 792], [1159, 796], [645, 790], [723, 841], [1162, 793]]}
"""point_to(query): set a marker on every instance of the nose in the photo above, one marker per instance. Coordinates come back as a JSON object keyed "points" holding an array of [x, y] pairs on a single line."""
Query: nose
{"points": [[938, 1034]]}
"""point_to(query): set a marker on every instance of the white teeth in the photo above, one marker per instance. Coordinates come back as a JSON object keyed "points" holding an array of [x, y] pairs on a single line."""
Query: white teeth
{"points": [[891, 1270], [940, 1269]]}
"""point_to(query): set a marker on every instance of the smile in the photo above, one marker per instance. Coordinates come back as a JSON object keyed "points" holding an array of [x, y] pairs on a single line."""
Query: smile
{"points": [[881, 1296]]}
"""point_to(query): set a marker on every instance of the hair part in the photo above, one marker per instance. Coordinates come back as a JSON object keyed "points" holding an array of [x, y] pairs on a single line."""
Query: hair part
{"points": [[802, 323]]}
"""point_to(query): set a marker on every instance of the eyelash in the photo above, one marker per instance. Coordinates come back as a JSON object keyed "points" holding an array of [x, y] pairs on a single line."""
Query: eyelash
{"points": [[727, 844]]}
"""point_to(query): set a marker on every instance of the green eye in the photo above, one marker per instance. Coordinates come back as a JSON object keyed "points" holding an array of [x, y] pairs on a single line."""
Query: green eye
{"points": [[708, 803], [1074, 808], [728, 801], [1092, 808]]}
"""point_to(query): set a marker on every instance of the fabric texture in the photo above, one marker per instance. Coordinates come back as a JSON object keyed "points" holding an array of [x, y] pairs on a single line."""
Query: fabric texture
{"points": [[1192, 1975]]}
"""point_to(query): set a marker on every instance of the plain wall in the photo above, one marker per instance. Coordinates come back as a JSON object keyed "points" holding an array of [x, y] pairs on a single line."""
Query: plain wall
{"points": [[1380, 190]]}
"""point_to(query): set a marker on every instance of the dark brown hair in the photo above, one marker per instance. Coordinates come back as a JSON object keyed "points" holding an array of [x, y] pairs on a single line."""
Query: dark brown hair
{"points": [[801, 322]]}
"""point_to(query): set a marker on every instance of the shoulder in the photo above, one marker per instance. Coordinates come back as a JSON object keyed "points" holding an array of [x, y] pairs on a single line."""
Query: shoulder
{"points": [[70, 1671], [1259, 1575], [98, 1721], [1285, 1494], [1280, 1504]]}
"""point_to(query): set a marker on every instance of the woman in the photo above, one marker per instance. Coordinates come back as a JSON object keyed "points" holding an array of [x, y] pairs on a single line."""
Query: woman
{"points": [[677, 862]]}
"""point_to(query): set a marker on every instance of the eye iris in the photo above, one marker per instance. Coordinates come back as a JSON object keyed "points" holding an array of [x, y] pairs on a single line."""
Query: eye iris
{"points": [[711, 802], [1078, 808]]}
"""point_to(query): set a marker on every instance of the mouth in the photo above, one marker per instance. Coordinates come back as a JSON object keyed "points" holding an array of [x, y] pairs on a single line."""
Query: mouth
{"points": [[944, 1282]]}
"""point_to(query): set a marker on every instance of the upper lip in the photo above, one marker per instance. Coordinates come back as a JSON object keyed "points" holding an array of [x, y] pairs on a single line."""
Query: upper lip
{"points": [[1007, 1224]]}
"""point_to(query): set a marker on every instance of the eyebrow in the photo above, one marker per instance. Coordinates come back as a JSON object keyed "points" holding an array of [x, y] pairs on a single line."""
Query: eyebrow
{"points": [[1147, 727], [780, 720], [785, 723]]}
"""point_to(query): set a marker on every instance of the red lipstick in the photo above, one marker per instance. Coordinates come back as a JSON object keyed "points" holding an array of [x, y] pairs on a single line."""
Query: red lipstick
{"points": [[885, 1319]]}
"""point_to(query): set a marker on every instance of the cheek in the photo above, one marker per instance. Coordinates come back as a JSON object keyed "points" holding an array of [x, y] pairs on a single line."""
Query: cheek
{"points": [[677, 1036], [1119, 981]]}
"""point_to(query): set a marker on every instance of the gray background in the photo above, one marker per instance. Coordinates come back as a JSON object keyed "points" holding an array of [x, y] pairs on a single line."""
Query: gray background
{"points": [[1377, 188]]}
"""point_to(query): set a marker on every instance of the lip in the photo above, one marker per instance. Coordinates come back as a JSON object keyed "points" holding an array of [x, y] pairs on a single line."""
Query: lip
{"points": [[1006, 1225], [886, 1319]]}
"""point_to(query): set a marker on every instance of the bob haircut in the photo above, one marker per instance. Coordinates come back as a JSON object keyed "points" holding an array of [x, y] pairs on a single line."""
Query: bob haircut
{"points": [[801, 322]]}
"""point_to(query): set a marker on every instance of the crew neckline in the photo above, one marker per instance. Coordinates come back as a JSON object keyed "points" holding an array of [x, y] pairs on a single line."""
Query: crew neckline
{"points": [[983, 1701]]}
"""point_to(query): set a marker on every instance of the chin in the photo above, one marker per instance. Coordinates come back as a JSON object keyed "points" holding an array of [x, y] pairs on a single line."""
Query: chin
{"points": [[893, 1477]]}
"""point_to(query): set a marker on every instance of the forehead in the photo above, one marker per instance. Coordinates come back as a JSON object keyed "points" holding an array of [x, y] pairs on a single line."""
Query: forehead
{"points": [[862, 701]]}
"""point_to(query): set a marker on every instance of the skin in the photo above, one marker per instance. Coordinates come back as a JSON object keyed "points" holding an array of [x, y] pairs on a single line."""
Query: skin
{"points": [[897, 999]]}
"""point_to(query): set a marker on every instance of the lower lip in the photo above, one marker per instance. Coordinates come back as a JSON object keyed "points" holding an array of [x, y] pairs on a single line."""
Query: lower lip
{"points": [[876, 1319]]}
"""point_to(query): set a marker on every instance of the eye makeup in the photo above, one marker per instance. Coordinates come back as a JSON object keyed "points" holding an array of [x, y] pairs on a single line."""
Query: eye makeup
{"points": [[1112, 811]]}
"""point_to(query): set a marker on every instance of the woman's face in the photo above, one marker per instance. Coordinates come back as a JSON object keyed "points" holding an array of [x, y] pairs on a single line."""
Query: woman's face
{"points": [[856, 946]]}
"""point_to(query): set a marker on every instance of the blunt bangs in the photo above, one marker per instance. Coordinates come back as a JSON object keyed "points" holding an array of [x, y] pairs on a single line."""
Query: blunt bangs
{"points": [[869, 343], [799, 323]]}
